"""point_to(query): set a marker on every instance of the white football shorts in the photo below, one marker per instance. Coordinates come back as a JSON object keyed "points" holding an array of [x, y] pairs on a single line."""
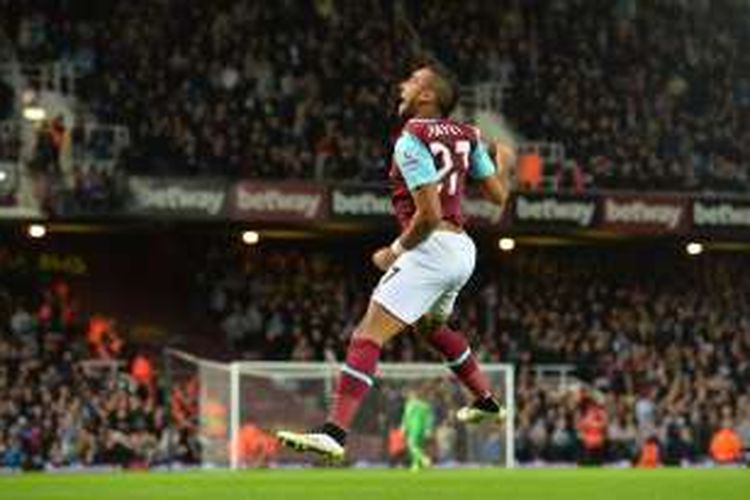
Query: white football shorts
{"points": [[428, 277]]}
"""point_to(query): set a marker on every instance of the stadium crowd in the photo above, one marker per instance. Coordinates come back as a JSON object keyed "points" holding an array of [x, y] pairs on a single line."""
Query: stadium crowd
{"points": [[67, 397], [641, 94], [664, 344], [232, 88]]}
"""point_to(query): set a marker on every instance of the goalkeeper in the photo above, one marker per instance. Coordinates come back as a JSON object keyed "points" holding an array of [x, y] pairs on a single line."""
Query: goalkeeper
{"points": [[416, 425]]}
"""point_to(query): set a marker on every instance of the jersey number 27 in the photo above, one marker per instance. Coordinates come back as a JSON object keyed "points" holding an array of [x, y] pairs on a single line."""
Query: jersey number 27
{"points": [[461, 150]]}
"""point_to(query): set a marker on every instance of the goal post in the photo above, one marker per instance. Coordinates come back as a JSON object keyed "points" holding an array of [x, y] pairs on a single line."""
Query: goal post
{"points": [[263, 397]]}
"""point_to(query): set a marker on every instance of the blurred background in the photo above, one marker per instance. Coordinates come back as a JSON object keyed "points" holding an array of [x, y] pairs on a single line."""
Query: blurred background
{"points": [[210, 177]]}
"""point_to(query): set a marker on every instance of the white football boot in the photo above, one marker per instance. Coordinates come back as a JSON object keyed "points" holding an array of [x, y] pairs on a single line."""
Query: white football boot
{"points": [[317, 442]]}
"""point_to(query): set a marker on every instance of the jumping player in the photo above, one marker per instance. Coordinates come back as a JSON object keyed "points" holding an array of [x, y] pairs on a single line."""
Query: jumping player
{"points": [[429, 263]]}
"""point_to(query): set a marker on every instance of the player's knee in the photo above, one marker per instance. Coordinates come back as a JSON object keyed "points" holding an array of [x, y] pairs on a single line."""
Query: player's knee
{"points": [[379, 324]]}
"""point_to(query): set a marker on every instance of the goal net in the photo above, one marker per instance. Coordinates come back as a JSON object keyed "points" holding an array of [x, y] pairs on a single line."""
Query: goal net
{"points": [[242, 404]]}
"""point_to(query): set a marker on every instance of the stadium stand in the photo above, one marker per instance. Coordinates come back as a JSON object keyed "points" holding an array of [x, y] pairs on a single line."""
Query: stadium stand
{"points": [[639, 94]]}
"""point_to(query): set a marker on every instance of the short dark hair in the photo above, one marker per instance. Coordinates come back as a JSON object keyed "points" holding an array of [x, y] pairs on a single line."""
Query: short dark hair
{"points": [[445, 86]]}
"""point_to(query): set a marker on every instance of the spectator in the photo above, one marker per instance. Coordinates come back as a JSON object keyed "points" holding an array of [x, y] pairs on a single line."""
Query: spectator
{"points": [[622, 438], [680, 446], [22, 323], [650, 454], [592, 426], [743, 428], [142, 371], [726, 446]]}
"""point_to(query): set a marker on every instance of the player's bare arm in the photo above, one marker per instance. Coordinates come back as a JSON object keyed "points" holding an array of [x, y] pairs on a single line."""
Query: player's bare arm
{"points": [[496, 188], [426, 219]]}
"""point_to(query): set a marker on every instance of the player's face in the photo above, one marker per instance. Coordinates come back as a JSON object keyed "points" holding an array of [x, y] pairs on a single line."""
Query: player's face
{"points": [[412, 90]]}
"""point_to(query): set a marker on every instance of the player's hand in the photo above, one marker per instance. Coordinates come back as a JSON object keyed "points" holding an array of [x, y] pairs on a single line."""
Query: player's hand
{"points": [[383, 258], [505, 154]]}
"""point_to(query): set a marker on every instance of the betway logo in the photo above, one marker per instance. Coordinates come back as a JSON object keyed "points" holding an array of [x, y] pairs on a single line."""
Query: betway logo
{"points": [[178, 198], [724, 214], [555, 210], [482, 209], [360, 204], [275, 201], [641, 212]]}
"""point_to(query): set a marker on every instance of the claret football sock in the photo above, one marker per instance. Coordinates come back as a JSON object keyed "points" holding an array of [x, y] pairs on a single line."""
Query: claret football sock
{"points": [[355, 380], [454, 348]]}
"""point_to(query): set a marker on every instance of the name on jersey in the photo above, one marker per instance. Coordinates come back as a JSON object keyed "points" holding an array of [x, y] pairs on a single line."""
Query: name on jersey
{"points": [[442, 129]]}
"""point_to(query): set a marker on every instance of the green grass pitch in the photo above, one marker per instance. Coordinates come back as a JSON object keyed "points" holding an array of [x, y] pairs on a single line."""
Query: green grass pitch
{"points": [[329, 484]]}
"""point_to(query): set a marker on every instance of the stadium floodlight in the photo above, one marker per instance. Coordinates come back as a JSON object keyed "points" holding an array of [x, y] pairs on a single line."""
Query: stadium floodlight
{"points": [[694, 248], [37, 231], [34, 113], [250, 237], [3, 176], [506, 244]]}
